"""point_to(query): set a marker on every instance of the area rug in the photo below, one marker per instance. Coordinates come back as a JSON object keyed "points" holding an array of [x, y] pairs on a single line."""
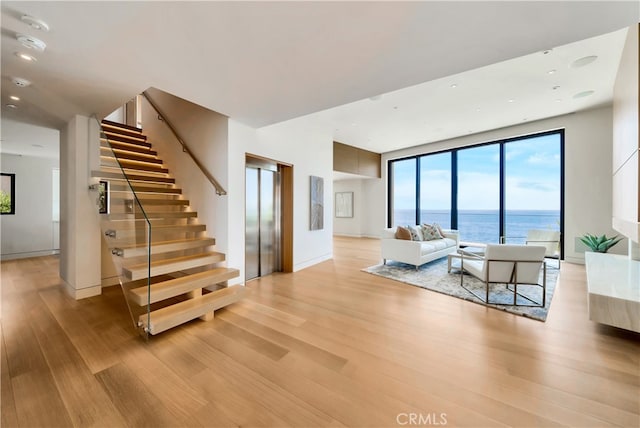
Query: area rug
{"points": [[433, 276]]}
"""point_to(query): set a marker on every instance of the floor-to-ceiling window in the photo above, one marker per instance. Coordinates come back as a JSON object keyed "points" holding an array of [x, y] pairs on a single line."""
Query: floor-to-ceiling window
{"points": [[403, 175], [435, 189], [532, 177], [479, 194], [491, 192]]}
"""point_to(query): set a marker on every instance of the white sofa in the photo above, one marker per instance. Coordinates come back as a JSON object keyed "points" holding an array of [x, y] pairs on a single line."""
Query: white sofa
{"points": [[417, 252]]}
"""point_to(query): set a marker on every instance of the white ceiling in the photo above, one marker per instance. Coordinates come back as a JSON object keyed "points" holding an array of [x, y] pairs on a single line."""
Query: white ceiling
{"points": [[264, 62]]}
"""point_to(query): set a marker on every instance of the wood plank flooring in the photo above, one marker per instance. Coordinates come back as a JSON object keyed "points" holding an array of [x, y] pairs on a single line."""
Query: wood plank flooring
{"points": [[327, 346]]}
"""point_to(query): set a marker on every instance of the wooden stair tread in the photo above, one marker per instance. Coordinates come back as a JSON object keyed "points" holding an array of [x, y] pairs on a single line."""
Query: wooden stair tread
{"points": [[175, 287], [149, 201], [129, 156], [133, 148], [176, 264], [125, 226], [154, 215], [132, 177], [120, 126], [129, 232], [133, 165], [145, 189], [179, 313], [130, 171], [136, 250], [124, 139]]}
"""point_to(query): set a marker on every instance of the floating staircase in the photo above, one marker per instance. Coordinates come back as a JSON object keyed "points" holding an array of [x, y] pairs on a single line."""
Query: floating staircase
{"points": [[167, 273]]}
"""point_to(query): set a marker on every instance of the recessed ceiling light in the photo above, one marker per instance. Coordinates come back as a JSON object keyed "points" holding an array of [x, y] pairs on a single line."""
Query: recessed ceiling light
{"points": [[558, 100], [510, 101], [555, 88], [546, 52], [395, 107], [478, 109], [31, 42], [12, 106], [26, 57], [583, 94], [454, 85], [19, 81], [376, 98], [551, 71], [37, 145], [14, 98], [36, 23], [581, 62]]}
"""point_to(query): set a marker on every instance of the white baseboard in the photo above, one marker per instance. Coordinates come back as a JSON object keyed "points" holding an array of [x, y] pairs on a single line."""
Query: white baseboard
{"points": [[575, 260], [352, 235], [29, 254], [312, 262]]}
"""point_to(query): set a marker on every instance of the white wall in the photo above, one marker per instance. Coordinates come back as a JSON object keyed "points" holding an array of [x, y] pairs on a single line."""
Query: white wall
{"points": [[363, 220], [588, 183], [308, 146], [206, 134], [31, 231]]}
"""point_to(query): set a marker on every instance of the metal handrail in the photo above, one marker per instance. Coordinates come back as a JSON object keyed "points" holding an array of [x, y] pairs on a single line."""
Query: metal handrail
{"points": [[219, 189]]}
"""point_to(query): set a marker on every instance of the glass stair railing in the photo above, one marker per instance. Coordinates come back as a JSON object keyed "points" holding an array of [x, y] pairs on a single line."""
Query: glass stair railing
{"points": [[160, 251]]}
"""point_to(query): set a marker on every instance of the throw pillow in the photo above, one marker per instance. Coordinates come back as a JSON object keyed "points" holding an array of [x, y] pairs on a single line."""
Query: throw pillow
{"points": [[403, 233], [430, 233], [437, 226], [416, 233]]}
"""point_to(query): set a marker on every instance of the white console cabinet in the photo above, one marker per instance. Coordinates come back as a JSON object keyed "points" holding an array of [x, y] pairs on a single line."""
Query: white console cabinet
{"points": [[613, 284]]}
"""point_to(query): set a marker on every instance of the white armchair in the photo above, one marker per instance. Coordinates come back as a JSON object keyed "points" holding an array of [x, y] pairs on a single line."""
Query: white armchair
{"points": [[507, 264]]}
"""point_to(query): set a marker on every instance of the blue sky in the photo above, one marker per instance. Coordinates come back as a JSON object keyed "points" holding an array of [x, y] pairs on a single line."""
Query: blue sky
{"points": [[532, 177]]}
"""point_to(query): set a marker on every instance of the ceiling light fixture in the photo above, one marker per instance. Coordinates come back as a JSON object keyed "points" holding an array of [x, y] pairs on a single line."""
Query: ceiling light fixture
{"points": [[551, 71], [581, 62], [26, 57], [546, 51], [583, 94], [11, 105], [510, 101], [14, 98], [19, 81], [555, 88], [31, 42], [37, 145], [375, 97], [36, 23], [454, 85]]}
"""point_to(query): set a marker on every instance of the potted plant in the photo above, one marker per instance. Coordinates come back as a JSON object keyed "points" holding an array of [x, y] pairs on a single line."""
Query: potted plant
{"points": [[599, 244]]}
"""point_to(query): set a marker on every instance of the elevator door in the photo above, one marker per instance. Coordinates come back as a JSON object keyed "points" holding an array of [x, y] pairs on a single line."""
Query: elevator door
{"points": [[261, 229]]}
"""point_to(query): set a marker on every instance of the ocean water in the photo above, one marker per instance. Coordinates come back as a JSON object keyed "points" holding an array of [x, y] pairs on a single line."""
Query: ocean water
{"points": [[483, 226]]}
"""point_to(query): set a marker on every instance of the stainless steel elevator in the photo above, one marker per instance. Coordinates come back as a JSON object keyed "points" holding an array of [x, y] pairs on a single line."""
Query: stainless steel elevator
{"points": [[262, 219]]}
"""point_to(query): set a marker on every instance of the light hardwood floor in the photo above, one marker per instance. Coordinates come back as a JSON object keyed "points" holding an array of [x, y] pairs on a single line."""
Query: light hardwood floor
{"points": [[327, 346]]}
